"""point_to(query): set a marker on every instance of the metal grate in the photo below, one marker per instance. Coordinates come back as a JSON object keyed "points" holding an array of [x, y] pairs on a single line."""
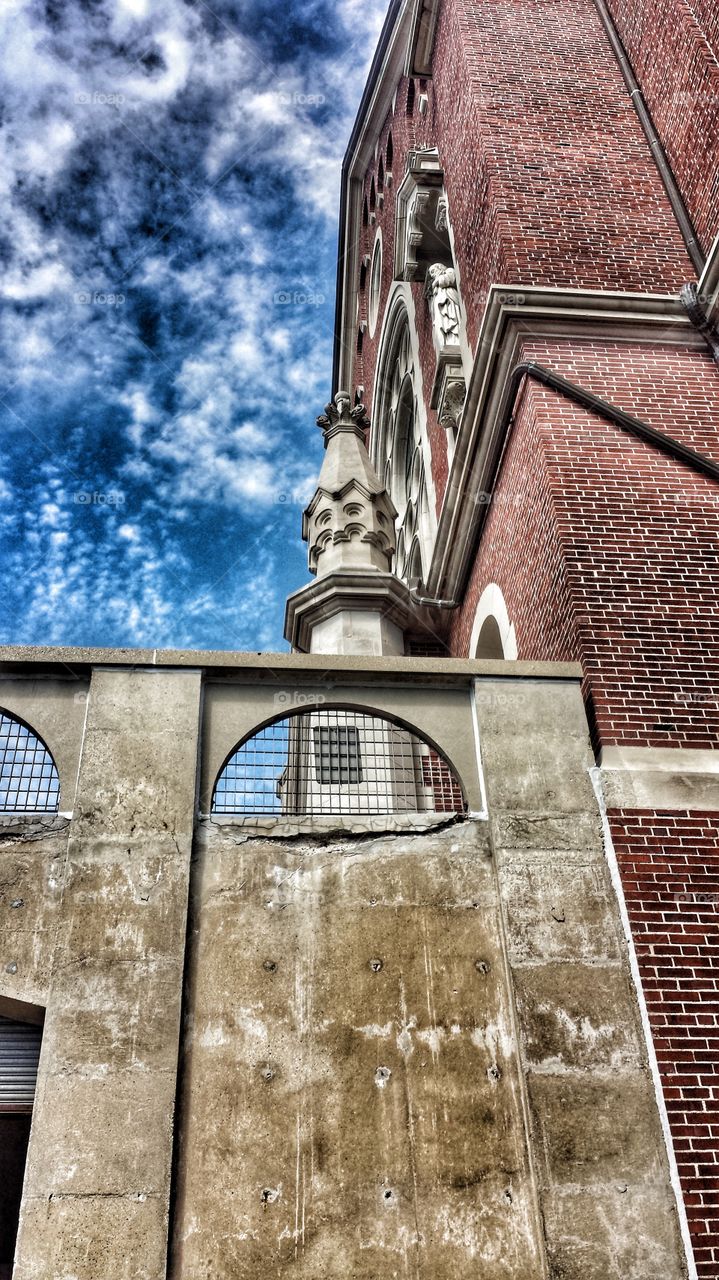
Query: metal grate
{"points": [[332, 761], [28, 777], [19, 1057]]}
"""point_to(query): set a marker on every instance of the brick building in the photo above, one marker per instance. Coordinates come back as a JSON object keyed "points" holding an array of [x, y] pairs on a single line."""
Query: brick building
{"points": [[528, 299], [395, 955]]}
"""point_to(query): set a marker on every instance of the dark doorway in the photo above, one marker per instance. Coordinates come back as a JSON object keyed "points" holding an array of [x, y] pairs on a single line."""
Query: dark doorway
{"points": [[14, 1136], [19, 1056]]}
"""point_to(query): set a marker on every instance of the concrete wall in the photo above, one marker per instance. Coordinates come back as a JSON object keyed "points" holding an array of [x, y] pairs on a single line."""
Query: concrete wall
{"points": [[406, 1046]]}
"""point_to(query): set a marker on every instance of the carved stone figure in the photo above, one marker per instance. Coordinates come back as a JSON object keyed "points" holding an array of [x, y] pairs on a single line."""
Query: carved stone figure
{"points": [[443, 297]]}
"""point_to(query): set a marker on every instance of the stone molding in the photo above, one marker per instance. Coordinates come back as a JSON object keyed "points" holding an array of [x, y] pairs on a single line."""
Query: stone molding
{"points": [[678, 778], [510, 318], [366, 591], [708, 287]]}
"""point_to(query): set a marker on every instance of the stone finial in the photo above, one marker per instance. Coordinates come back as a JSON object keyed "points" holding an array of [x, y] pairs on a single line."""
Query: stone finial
{"points": [[350, 522], [338, 416]]}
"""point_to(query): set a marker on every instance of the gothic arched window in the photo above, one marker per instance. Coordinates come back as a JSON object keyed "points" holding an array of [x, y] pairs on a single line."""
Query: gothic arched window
{"points": [[397, 449]]}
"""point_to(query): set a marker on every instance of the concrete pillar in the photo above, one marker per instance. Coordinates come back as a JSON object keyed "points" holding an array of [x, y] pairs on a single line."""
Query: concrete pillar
{"points": [[600, 1164], [98, 1178]]}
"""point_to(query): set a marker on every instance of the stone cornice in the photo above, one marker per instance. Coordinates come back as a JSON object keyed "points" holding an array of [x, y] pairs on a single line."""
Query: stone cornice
{"points": [[33, 661], [347, 591], [513, 315]]}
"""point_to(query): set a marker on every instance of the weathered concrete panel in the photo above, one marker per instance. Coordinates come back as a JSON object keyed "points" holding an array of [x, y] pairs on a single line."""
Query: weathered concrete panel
{"points": [[352, 1104], [621, 1233], [577, 1017], [596, 1146], [594, 1129], [558, 911], [405, 1050], [32, 861], [98, 1175]]}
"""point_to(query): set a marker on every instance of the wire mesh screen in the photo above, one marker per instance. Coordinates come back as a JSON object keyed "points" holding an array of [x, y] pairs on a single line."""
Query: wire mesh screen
{"points": [[336, 762], [28, 777]]}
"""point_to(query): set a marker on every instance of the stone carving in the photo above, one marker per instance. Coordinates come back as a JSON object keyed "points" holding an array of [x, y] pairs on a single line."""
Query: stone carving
{"points": [[441, 218], [338, 413], [452, 398], [417, 196], [350, 522], [443, 297]]}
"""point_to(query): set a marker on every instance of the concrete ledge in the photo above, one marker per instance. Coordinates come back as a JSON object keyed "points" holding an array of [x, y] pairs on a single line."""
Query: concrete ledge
{"points": [[459, 670], [322, 827]]}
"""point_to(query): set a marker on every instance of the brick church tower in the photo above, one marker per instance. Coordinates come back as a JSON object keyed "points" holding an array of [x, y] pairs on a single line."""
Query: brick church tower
{"points": [[528, 295], [395, 955]]}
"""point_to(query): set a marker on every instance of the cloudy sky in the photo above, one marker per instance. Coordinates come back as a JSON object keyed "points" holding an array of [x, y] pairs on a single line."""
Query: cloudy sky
{"points": [[169, 176]]}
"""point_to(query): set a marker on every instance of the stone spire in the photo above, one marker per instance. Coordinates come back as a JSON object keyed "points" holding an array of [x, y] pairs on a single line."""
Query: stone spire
{"points": [[357, 605], [350, 522]]}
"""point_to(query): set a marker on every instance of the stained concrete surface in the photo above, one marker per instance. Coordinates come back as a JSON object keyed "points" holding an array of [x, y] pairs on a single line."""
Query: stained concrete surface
{"points": [[404, 1050]]}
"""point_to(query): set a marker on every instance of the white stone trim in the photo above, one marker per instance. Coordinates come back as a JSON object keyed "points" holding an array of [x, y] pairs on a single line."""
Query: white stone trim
{"points": [[491, 604], [675, 778], [510, 318], [374, 299], [708, 287], [613, 865], [400, 296]]}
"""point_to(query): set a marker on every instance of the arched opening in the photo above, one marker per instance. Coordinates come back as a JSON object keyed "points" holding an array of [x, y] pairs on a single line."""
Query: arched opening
{"points": [[29, 781], [489, 643], [375, 283], [372, 196], [336, 761], [493, 634], [389, 151], [410, 98], [365, 213], [380, 175]]}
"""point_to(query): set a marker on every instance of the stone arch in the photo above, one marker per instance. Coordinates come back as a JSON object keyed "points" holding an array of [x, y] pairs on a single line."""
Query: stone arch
{"points": [[29, 781], [493, 634], [334, 761]]}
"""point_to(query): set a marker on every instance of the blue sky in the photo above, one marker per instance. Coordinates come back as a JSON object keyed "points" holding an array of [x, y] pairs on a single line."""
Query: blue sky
{"points": [[169, 178]]}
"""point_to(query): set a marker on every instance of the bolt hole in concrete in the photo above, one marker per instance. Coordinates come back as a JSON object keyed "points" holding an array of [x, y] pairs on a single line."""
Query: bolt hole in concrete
{"points": [[270, 1194], [375, 965], [482, 966], [381, 1076], [267, 1072], [494, 1072], [270, 966]]}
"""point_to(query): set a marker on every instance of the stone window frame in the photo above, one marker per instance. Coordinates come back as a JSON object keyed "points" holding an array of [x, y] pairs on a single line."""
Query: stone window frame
{"points": [[415, 528]]}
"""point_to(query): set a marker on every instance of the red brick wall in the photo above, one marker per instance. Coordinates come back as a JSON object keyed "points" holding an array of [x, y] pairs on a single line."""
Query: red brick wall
{"points": [[627, 581], [674, 50], [669, 864], [524, 514], [549, 177]]}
